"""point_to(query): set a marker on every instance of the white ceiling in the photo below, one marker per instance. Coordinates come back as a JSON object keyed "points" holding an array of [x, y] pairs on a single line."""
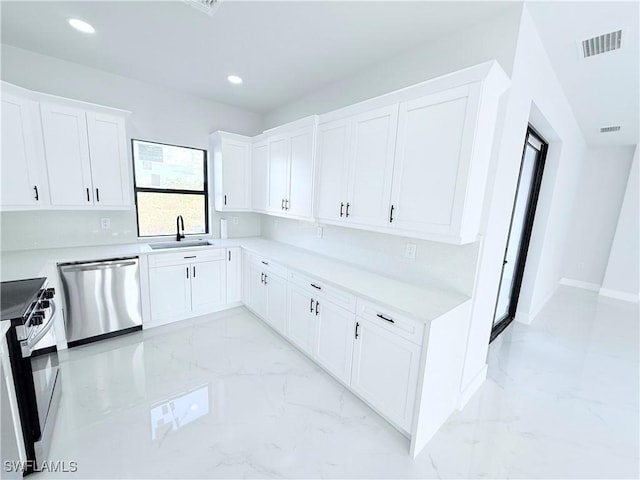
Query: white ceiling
{"points": [[602, 90], [285, 50]]}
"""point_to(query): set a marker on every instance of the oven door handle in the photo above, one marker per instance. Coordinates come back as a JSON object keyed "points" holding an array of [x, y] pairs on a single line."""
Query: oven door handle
{"points": [[28, 344]]}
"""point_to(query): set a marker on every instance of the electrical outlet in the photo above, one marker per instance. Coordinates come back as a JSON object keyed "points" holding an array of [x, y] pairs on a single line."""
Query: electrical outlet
{"points": [[410, 251], [235, 220], [105, 223], [319, 232]]}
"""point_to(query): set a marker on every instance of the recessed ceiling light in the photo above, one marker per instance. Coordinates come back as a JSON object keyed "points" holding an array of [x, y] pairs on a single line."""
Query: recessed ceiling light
{"points": [[81, 25], [236, 80]]}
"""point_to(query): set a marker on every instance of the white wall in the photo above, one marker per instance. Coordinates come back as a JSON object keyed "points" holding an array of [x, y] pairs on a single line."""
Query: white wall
{"points": [[488, 40], [159, 114], [601, 189], [436, 264], [535, 94], [621, 279]]}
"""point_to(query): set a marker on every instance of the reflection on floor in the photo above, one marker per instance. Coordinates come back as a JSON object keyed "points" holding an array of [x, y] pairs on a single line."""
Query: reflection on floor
{"points": [[224, 397]]}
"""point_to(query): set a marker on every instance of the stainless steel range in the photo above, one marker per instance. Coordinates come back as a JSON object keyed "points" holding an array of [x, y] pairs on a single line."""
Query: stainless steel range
{"points": [[29, 306]]}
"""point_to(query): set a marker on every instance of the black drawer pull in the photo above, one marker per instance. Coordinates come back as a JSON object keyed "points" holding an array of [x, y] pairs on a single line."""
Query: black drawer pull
{"points": [[225, 199], [391, 214], [347, 211], [311, 306], [97, 194], [341, 208], [357, 326], [265, 263], [229, 255], [390, 320], [192, 256], [88, 199], [187, 272], [35, 188], [316, 286]]}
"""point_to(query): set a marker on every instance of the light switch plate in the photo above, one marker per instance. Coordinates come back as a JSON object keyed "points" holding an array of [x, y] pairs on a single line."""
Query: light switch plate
{"points": [[410, 251], [105, 223], [235, 220]]}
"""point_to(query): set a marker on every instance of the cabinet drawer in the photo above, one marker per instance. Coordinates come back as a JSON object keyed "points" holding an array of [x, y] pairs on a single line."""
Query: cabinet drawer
{"points": [[322, 290], [267, 265], [399, 324], [177, 258]]}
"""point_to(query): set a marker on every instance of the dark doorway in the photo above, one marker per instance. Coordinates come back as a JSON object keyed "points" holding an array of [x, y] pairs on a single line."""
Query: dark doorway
{"points": [[523, 213]]}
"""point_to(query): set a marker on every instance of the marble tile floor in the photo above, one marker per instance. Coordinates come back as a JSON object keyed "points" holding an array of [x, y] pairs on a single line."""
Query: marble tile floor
{"points": [[223, 396]]}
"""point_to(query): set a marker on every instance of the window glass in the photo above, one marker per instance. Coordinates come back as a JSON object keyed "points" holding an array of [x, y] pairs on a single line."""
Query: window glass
{"points": [[167, 166]]}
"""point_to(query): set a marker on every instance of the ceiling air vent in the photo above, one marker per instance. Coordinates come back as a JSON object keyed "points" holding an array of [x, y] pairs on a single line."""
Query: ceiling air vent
{"points": [[615, 128], [207, 6], [602, 44]]}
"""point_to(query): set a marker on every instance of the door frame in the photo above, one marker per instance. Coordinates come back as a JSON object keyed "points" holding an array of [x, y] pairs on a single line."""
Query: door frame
{"points": [[532, 203]]}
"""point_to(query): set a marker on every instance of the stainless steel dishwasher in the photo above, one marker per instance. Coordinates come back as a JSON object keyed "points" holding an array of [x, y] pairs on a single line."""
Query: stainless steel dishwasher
{"points": [[101, 299]]}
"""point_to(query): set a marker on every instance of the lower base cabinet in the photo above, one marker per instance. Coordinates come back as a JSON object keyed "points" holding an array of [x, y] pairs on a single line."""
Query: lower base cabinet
{"points": [[385, 371], [170, 292], [266, 293]]}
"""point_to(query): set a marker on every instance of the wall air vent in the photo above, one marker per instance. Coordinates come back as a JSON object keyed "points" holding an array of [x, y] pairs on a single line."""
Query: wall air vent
{"points": [[615, 128], [207, 6], [602, 44]]}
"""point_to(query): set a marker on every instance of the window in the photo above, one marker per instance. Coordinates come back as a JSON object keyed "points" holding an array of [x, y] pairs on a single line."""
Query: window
{"points": [[169, 181]]}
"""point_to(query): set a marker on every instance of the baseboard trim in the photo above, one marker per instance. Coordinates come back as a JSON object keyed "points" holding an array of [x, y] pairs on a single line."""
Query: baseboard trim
{"points": [[570, 282], [527, 318], [472, 387], [618, 295]]}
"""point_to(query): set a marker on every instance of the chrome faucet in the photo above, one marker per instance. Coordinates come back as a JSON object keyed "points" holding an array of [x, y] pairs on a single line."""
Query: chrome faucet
{"points": [[179, 223]]}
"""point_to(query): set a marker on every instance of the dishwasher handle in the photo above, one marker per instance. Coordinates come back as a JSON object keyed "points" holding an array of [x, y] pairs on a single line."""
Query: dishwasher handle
{"points": [[107, 265]]}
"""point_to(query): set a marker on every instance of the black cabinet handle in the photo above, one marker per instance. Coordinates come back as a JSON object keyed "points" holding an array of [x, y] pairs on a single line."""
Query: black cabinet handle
{"points": [[225, 199], [391, 214], [187, 272], [387, 319], [286, 204], [35, 189], [194, 271], [265, 278], [88, 199], [311, 306], [229, 255], [191, 256], [317, 305], [316, 286], [347, 211], [262, 277], [264, 263], [357, 326], [341, 208], [282, 204], [98, 194]]}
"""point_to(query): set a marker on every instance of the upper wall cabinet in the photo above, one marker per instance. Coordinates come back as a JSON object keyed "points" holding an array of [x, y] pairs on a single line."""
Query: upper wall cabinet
{"points": [[67, 154], [355, 163], [290, 172], [24, 173], [86, 155], [231, 171], [417, 164]]}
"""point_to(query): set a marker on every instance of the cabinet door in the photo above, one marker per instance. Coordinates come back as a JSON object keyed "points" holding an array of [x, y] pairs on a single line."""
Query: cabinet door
{"points": [[257, 293], [276, 302], [332, 161], [67, 154], [109, 161], [236, 192], [234, 275], [434, 148], [334, 339], [385, 371], [170, 292], [374, 141], [278, 173], [301, 173], [208, 285], [22, 163], [260, 177], [301, 321]]}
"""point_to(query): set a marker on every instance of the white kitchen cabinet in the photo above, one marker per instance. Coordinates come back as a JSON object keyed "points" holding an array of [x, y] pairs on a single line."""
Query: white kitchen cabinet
{"points": [[435, 142], [276, 308], [255, 293], [355, 163], [185, 284], [333, 346], [302, 323], [86, 157], [385, 371], [234, 275], [231, 171], [170, 292], [291, 169], [24, 175], [266, 291], [259, 176]]}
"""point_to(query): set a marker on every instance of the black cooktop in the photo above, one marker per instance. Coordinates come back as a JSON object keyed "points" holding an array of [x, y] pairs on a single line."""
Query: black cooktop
{"points": [[16, 297]]}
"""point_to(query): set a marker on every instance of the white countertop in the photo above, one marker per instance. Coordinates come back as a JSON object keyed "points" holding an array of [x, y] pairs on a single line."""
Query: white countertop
{"points": [[421, 303]]}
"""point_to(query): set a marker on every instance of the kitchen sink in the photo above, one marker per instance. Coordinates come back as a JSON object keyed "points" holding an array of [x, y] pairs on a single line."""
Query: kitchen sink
{"points": [[193, 243]]}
